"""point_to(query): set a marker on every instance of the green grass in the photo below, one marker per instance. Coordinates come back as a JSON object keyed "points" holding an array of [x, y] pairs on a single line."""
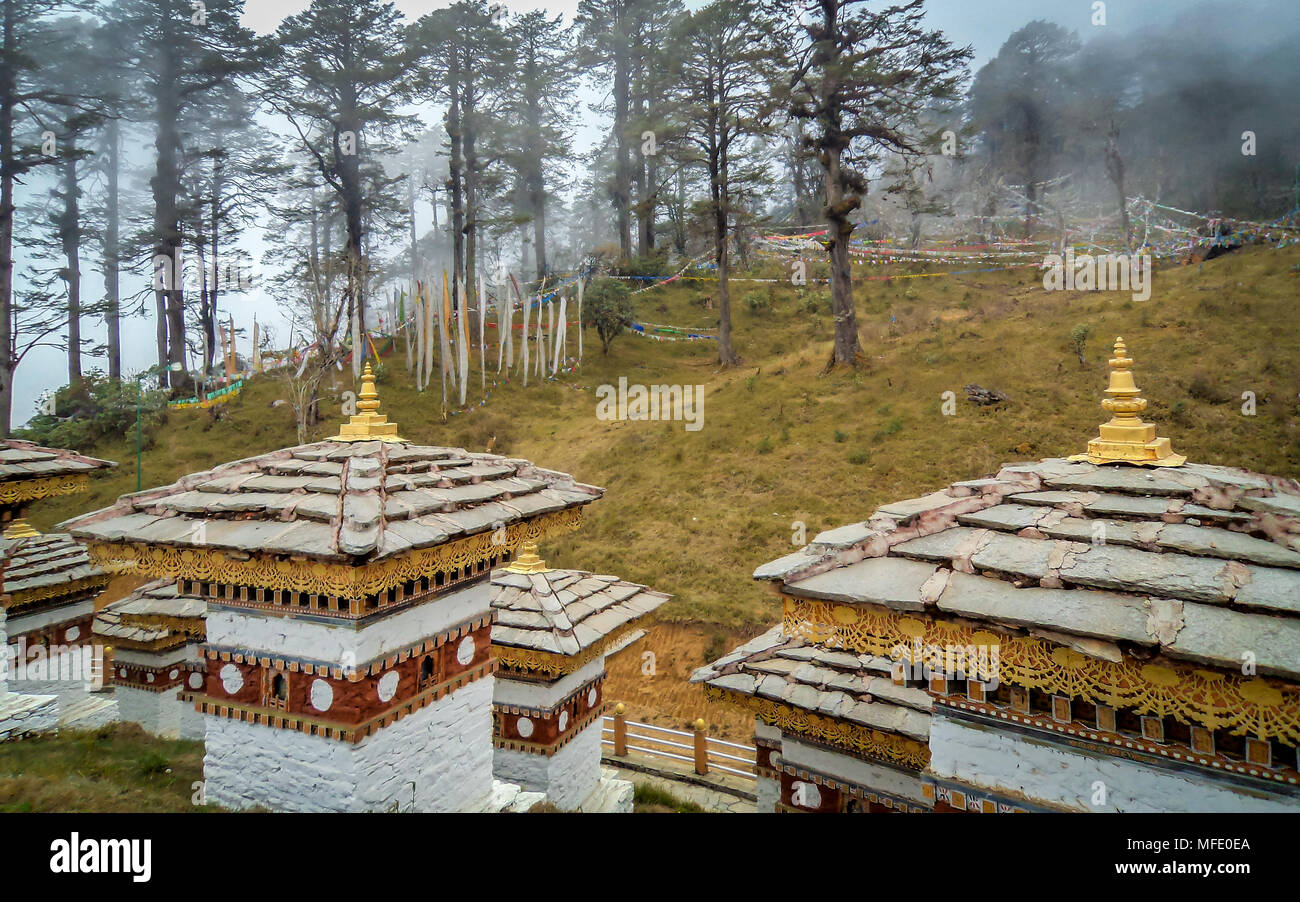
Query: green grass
{"points": [[692, 513], [112, 769], [648, 798]]}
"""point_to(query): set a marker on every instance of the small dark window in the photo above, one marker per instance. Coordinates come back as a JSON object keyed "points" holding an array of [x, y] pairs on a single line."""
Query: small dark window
{"points": [[278, 694], [426, 671]]}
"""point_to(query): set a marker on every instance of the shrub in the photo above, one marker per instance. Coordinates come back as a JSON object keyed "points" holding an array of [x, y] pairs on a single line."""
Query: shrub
{"points": [[1079, 341], [95, 410], [765, 446], [608, 306]]}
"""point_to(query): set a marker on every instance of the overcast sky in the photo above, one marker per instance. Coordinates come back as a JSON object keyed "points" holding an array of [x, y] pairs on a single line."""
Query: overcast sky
{"points": [[983, 24]]}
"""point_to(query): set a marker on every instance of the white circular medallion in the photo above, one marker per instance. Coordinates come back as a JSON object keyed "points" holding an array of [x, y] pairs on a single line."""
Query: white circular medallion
{"points": [[465, 651], [591, 698], [524, 726], [196, 681], [564, 721], [149, 677], [173, 675], [322, 695], [121, 671], [73, 633], [231, 679], [388, 685]]}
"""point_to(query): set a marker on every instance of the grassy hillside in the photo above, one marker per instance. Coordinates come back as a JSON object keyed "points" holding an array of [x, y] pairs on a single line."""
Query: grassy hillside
{"points": [[693, 513]]}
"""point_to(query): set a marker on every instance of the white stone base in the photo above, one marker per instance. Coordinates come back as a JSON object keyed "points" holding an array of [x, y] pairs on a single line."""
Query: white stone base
{"points": [[506, 798], [568, 777], [160, 713], [1055, 776], [27, 715], [768, 791], [436, 759], [891, 781], [611, 795]]}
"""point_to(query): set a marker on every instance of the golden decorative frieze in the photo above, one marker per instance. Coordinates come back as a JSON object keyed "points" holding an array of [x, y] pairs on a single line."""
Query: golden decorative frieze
{"points": [[325, 577], [88, 585], [1256, 706], [544, 663], [17, 491], [860, 740]]}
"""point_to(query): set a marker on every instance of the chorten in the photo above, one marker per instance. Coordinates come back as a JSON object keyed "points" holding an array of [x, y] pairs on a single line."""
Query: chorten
{"points": [[156, 635], [348, 662], [553, 631], [48, 587], [1064, 635]]}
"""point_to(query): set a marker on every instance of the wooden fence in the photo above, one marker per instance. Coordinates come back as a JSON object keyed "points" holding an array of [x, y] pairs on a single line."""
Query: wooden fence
{"points": [[694, 747]]}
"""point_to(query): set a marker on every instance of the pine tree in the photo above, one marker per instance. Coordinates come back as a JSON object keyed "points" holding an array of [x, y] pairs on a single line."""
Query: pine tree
{"points": [[860, 76]]}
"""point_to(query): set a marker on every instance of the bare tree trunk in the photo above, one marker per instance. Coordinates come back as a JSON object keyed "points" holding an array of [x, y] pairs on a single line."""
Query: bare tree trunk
{"points": [[1115, 169], [622, 170], [838, 209], [468, 280], [8, 88], [455, 169], [112, 291], [718, 192], [70, 238]]}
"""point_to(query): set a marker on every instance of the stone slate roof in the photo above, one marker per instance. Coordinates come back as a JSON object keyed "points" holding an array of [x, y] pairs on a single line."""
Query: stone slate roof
{"points": [[1198, 563], [850, 687], [352, 501], [43, 561], [28, 460], [153, 614], [564, 611]]}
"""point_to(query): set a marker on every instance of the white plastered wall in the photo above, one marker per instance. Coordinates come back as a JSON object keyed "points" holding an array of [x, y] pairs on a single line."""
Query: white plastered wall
{"points": [[436, 759], [568, 777], [1053, 775]]}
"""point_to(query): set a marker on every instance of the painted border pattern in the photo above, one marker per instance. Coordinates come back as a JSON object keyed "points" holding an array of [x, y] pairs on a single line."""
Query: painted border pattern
{"points": [[1265, 708]]}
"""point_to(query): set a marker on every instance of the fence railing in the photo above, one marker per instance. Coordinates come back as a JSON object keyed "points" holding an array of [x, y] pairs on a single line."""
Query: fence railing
{"points": [[695, 746]]}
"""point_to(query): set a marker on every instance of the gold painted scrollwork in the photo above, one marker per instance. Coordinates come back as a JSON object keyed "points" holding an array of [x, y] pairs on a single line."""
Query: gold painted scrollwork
{"points": [[1216, 701], [900, 750], [324, 577], [17, 491]]}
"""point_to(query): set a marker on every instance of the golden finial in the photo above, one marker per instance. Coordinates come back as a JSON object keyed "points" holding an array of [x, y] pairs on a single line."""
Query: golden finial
{"points": [[369, 423], [1125, 438], [528, 561], [19, 528]]}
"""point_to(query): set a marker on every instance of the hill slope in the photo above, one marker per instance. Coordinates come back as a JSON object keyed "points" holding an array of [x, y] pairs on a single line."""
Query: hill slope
{"points": [[692, 513]]}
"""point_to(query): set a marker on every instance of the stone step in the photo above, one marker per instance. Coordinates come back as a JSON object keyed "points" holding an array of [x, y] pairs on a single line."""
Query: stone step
{"points": [[90, 713], [27, 715]]}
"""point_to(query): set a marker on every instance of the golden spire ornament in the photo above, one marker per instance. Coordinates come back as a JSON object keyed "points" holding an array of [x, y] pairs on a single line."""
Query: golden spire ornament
{"points": [[1125, 438], [19, 528], [369, 424], [528, 561]]}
